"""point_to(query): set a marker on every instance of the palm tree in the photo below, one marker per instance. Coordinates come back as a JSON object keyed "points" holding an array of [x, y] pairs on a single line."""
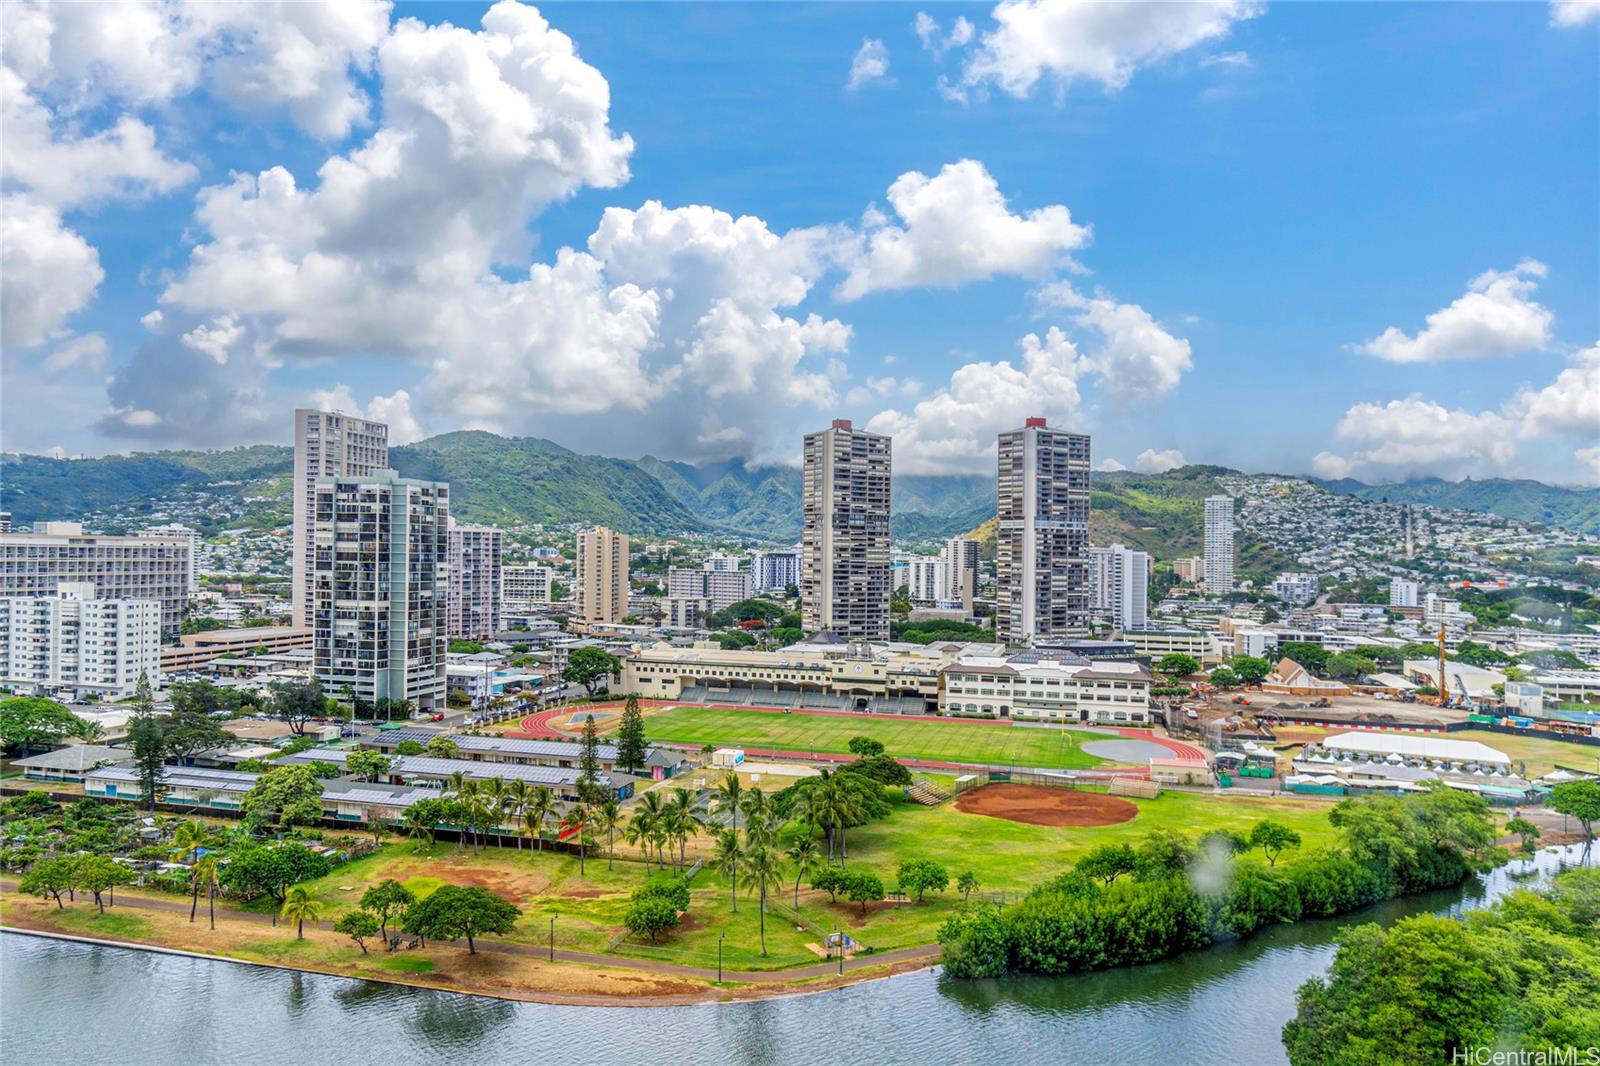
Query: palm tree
{"points": [[652, 817], [638, 833], [540, 803], [763, 870], [465, 790], [805, 855], [684, 825], [513, 802], [186, 840], [727, 797], [607, 816], [755, 805], [575, 823], [298, 905], [209, 872], [727, 858], [418, 827], [491, 796]]}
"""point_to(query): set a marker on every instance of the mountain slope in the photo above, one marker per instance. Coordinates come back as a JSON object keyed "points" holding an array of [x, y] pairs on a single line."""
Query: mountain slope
{"points": [[38, 488], [526, 479], [1525, 501]]}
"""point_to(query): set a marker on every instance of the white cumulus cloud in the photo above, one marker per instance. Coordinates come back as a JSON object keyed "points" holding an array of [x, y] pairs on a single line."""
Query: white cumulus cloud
{"points": [[1137, 358], [1415, 437], [1099, 41], [955, 429], [1151, 461], [953, 228], [1568, 406], [47, 272], [1496, 317]]}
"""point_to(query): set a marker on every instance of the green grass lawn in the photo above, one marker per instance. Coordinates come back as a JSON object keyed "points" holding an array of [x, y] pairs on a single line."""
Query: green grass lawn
{"points": [[1540, 755], [936, 739], [589, 907]]}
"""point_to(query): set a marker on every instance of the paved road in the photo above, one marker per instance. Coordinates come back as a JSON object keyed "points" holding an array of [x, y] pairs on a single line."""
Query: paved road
{"points": [[924, 952]]}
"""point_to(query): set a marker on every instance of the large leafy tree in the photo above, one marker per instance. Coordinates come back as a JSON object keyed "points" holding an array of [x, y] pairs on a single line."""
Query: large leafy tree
{"points": [[97, 873], [454, 911], [1272, 838], [387, 899], [1249, 669], [1177, 664], [1580, 799], [589, 667], [297, 702], [269, 870], [367, 765], [291, 794], [33, 721]]}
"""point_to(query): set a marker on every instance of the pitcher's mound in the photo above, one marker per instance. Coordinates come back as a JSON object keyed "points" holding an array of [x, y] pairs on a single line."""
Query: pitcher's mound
{"points": [[1042, 805]]}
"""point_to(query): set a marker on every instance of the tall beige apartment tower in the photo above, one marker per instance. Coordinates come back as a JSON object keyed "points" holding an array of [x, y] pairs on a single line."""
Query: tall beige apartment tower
{"points": [[602, 574], [326, 444], [845, 579], [1042, 547]]}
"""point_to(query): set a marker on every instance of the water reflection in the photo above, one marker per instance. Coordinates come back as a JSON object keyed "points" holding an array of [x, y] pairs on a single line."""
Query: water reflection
{"points": [[1228, 1002]]}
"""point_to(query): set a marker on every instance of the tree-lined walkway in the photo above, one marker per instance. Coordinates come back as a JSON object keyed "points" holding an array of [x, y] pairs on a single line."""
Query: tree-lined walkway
{"points": [[537, 953]]}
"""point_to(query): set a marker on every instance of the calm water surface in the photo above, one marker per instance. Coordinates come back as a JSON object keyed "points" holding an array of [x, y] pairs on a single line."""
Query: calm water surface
{"points": [[62, 1002]]}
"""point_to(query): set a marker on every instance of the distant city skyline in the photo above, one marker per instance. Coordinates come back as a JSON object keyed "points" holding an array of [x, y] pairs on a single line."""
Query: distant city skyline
{"points": [[1344, 240]]}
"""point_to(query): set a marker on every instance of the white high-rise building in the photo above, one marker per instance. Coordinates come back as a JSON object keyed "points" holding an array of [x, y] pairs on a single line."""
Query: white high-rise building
{"points": [[120, 568], [602, 575], [1042, 545], [473, 608], [845, 579], [382, 549], [775, 570], [526, 584], [1296, 588], [924, 577], [1119, 585], [1402, 593], [721, 562], [1219, 544], [76, 640], [326, 444], [961, 570], [179, 531]]}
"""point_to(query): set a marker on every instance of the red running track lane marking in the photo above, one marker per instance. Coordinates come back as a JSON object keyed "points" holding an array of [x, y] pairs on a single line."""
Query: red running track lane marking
{"points": [[1177, 747]]}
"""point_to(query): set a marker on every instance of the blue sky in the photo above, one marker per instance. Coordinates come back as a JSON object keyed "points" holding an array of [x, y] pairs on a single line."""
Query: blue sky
{"points": [[1185, 228]]}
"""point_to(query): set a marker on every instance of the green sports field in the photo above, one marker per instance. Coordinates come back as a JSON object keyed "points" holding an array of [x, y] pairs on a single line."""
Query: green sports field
{"points": [[940, 740]]}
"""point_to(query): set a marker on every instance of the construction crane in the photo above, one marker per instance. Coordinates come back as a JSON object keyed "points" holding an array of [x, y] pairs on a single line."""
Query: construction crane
{"points": [[1443, 699]]}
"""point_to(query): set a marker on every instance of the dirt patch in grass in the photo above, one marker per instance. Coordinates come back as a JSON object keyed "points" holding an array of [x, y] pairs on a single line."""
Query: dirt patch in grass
{"points": [[583, 893], [1042, 805], [511, 883]]}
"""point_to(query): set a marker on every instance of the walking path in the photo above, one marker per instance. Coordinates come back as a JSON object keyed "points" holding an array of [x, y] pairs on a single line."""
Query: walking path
{"points": [[920, 953]]}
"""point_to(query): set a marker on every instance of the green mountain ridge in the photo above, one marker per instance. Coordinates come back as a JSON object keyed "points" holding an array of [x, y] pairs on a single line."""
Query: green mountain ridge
{"points": [[528, 479], [1577, 510]]}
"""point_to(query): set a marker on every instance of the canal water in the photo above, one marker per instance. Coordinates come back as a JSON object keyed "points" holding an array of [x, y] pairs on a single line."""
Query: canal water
{"points": [[62, 1002]]}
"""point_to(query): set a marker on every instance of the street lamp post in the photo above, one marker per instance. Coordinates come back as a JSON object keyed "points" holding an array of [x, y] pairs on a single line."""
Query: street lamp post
{"points": [[720, 938], [553, 918], [839, 943]]}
